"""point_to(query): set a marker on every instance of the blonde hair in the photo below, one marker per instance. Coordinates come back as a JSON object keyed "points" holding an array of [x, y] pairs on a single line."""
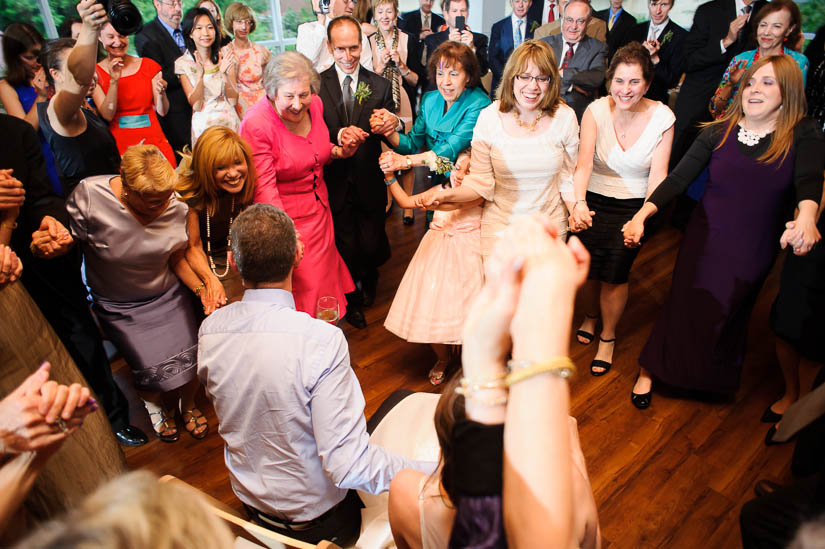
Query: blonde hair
{"points": [[143, 168], [138, 512], [376, 3], [236, 11], [793, 108], [196, 172], [541, 54]]}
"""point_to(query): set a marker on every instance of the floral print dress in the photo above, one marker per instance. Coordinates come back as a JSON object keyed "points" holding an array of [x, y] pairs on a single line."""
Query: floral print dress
{"points": [[251, 64], [216, 110]]}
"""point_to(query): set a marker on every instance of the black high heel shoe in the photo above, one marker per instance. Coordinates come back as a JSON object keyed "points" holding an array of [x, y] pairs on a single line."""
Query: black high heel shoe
{"points": [[585, 334], [641, 401], [769, 416], [602, 363]]}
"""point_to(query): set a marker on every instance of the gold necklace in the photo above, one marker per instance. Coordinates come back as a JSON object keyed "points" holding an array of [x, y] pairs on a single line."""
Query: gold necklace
{"points": [[228, 241], [531, 127]]}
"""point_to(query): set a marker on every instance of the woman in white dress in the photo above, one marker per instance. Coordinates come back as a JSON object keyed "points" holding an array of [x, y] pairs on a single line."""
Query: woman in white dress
{"points": [[209, 79], [525, 146], [623, 156]]}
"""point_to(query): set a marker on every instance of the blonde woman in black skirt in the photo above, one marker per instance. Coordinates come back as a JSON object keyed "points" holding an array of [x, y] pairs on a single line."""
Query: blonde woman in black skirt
{"points": [[623, 156]]}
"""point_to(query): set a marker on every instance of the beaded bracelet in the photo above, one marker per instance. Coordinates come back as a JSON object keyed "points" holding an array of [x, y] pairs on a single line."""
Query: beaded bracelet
{"points": [[562, 367], [389, 182]]}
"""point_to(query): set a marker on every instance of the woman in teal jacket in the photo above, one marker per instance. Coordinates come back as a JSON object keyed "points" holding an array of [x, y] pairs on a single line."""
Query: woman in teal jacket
{"points": [[444, 126]]}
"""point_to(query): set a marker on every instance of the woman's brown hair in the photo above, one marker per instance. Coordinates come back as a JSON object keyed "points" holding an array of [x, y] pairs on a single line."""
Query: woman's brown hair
{"points": [[196, 172], [541, 54], [792, 110], [633, 53], [453, 54], [795, 37], [18, 38], [450, 408]]}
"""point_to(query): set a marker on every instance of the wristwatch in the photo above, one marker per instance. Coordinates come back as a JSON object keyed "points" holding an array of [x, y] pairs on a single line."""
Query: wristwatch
{"points": [[409, 162]]}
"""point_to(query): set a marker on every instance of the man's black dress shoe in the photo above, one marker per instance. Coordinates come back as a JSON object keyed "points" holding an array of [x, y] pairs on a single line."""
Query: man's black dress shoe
{"points": [[355, 316], [770, 416], [131, 436]]}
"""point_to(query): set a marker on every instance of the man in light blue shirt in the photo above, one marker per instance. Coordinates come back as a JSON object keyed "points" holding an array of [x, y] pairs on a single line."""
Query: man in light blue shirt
{"points": [[289, 406]]}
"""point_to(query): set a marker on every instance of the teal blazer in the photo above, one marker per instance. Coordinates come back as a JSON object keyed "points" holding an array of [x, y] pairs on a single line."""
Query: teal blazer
{"points": [[446, 134]]}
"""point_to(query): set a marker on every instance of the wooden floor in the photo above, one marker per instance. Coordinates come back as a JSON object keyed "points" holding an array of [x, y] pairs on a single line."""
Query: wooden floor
{"points": [[675, 475]]}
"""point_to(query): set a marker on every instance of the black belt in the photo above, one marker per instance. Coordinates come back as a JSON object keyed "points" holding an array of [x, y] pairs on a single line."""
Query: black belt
{"points": [[296, 526]]}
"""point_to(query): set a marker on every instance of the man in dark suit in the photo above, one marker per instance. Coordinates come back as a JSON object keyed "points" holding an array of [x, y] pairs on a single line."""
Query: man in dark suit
{"points": [[162, 40], [353, 97], [508, 34], [619, 24], [581, 58], [421, 22], [545, 11], [665, 41], [476, 41], [720, 31], [54, 283]]}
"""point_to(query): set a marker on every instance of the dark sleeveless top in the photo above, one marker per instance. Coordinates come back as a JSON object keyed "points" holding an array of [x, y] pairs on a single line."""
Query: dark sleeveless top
{"points": [[93, 152], [219, 226]]}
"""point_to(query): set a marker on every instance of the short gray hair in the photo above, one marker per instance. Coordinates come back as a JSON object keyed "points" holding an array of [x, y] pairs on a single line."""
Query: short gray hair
{"points": [[585, 2], [286, 67], [263, 243]]}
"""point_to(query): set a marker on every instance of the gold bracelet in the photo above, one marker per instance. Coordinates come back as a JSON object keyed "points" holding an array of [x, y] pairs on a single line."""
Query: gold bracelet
{"points": [[9, 227], [561, 366], [497, 401], [199, 289]]}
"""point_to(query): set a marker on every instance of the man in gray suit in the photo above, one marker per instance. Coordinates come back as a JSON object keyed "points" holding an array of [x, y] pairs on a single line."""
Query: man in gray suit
{"points": [[581, 58]]}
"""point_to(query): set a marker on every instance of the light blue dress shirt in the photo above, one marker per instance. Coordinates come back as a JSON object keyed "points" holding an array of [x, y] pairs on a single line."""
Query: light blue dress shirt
{"points": [[290, 408]]}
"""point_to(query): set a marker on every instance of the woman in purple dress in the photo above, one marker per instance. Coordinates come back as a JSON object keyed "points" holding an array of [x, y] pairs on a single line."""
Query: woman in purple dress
{"points": [[764, 156]]}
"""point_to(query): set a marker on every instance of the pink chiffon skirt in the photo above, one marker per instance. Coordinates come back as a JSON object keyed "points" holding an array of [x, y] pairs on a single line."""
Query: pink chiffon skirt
{"points": [[441, 281]]}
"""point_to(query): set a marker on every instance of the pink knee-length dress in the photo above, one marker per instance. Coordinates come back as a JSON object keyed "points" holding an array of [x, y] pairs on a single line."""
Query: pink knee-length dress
{"points": [[291, 177]]}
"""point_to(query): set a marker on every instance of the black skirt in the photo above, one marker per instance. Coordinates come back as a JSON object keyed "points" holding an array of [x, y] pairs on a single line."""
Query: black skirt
{"points": [[798, 313], [610, 259]]}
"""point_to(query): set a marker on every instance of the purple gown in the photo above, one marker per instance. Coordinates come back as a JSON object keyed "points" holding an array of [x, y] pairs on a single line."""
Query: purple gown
{"points": [[729, 247]]}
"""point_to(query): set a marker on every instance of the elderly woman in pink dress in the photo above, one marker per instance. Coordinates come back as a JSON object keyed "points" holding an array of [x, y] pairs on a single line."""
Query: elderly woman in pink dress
{"points": [[290, 146]]}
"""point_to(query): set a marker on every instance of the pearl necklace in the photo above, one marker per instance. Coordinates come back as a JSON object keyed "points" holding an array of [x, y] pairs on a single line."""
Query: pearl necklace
{"points": [[531, 127], [228, 241], [750, 137]]}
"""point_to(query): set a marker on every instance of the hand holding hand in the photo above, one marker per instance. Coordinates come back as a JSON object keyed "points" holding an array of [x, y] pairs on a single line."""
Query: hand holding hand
{"points": [[633, 232], [391, 161], [213, 296], [428, 199], [348, 149], [383, 122], [353, 135], [582, 217], [801, 235], [10, 266], [51, 239], [12, 193]]}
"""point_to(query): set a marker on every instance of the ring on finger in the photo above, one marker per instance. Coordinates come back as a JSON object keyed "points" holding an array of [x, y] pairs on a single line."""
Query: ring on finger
{"points": [[61, 424]]}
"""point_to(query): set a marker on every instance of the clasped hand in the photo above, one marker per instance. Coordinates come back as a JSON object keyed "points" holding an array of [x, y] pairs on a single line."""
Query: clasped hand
{"points": [[581, 218], [801, 236], [12, 193], [51, 239], [383, 122], [40, 413]]}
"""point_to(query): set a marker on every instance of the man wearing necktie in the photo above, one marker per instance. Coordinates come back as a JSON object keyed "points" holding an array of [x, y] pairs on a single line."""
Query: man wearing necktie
{"points": [[356, 101], [508, 34], [596, 28], [421, 22], [665, 40], [619, 23], [162, 40], [720, 31], [581, 58]]}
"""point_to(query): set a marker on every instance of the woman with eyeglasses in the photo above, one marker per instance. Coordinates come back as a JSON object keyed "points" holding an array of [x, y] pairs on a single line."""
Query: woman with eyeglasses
{"points": [[623, 156], [525, 147], [252, 58]]}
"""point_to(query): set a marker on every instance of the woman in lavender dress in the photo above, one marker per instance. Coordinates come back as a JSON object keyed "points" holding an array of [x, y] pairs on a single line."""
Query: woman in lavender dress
{"points": [[764, 156]]}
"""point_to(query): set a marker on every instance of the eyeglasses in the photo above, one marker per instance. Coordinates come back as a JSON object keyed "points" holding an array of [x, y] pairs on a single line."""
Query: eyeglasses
{"points": [[173, 3], [541, 79], [243, 22], [570, 20]]}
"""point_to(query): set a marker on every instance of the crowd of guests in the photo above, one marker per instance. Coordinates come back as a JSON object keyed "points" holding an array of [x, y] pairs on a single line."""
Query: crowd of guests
{"points": [[213, 209]]}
